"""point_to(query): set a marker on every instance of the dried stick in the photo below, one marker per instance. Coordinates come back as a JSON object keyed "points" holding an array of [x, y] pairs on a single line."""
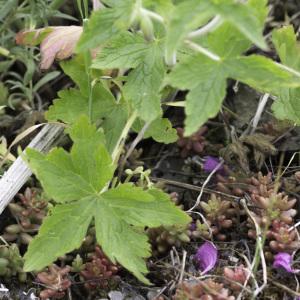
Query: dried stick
{"points": [[19, 172]]}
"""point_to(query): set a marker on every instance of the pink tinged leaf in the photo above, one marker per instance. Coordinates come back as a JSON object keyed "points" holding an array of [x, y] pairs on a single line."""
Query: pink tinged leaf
{"points": [[97, 5], [59, 44], [32, 37], [206, 257], [56, 42], [284, 260]]}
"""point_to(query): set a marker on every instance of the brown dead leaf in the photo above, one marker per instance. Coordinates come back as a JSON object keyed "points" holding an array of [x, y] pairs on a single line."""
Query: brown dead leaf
{"points": [[261, 142]]}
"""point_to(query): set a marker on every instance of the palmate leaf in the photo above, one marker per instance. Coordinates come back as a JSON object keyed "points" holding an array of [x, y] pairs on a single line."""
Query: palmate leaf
{"points": [[261, 73], [73, 103], [60, 233], [77, 99], [243, 17], [185, 17], [189, 15], [144, 81], [119, 111], [226, 40], [105, 24], [206, 80], [160, 130], [79, 182], [75, 69], [287, 106], [207, 83], [125, 50], [79, 170]]}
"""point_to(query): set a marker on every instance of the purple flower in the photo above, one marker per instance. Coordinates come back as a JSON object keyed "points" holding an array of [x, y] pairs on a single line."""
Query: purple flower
{"points": [[206, 257], [284, 260], [210, 163], [193, 226]]}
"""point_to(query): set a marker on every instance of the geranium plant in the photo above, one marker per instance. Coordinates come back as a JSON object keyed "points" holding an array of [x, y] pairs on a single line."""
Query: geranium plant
{"points": [[129, 56]]}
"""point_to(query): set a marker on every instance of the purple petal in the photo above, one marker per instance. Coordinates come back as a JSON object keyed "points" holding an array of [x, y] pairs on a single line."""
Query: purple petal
{"points": [[193, 226], [210, 163], [284, 260], [206, 257]]}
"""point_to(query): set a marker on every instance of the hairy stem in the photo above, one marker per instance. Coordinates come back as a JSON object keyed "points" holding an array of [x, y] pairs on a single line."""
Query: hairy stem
{"points": [[213, 24], [202, 50], [119, 145]]}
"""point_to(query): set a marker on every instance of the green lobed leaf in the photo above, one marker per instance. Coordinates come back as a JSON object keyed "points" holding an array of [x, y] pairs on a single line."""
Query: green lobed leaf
{"points": [[287, 106], [128, 205], [191, 70], [83, 172], [160, 130], [104, 24], [120, 214], [122, 242], [226, 40], [72, 104], [124, 51], [144, 82], [185, 17], [287, 47], [261, 73], [60, 233], [75, 69], [204, 101], [58, 164], [206, 80], [140, 208], [244, 18], [112, 129]]}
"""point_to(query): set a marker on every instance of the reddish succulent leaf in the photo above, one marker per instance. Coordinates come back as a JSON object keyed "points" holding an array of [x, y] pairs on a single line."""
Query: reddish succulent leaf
{"points": [[56, 42]]}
